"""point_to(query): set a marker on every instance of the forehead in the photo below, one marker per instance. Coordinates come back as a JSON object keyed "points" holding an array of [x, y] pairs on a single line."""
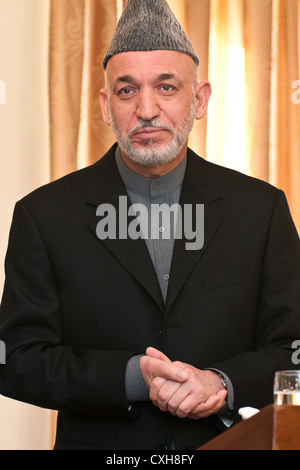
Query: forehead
{"points": [[147, 65]]}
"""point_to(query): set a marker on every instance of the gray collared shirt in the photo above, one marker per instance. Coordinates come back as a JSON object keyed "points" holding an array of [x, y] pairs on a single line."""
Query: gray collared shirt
{"points": [[158, 231]]}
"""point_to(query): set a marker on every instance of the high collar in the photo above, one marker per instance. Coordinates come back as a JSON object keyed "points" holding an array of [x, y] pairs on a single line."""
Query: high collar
{"points": [[199, 184], [150, 187]]}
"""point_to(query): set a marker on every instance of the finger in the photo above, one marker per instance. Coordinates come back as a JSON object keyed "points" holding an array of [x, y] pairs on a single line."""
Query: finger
{"points": [[155, 387], [211, 406], [152, 352], [222, 394], [170, 371], [179, 397], [165, 393], [153, 367], [192, 406]]}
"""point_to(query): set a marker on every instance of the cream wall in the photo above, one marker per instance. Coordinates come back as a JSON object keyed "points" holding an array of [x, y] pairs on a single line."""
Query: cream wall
{"points": [[24, 165]]}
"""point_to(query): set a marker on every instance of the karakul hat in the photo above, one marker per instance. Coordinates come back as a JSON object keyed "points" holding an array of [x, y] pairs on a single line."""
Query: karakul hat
{"points": [[149, 25]]}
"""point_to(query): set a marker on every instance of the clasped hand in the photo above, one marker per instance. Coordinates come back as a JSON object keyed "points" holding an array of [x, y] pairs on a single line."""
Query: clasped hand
{"points": [[180, 388]]}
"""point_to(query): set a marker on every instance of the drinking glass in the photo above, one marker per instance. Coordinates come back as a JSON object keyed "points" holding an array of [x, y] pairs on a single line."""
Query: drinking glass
{"points": [[287, 387]]}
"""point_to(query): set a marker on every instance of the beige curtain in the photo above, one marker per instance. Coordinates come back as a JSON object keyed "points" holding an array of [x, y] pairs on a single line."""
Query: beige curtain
{"points": [[248, 49]]}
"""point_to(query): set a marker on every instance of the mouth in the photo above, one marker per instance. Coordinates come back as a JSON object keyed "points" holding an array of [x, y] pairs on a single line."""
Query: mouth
{"points": [[148, 132], [149, 135]]}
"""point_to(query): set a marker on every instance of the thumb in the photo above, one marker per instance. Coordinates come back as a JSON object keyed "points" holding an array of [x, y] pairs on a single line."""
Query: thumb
{"points": [[152, 352], [152, 367], [222, 394]]}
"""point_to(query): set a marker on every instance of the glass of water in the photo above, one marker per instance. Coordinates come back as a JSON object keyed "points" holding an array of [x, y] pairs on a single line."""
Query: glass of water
{"points": [[287, 387]]}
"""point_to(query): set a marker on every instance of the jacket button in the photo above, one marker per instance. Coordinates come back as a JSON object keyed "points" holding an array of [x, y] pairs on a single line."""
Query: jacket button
{"points": [[161, 329]]}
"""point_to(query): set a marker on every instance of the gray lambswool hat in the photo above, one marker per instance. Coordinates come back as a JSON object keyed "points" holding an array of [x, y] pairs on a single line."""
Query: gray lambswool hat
{"points": [[149, 25]]}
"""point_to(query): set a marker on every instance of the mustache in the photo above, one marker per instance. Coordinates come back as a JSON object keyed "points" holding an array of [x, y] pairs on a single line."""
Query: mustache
{"points": [[154, 123]]}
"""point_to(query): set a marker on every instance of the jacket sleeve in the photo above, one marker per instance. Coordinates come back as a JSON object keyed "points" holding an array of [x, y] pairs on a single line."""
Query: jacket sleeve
{"points": [[278, 315], [40, 369]]}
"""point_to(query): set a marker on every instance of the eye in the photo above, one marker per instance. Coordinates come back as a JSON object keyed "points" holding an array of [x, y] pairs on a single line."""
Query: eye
{"points": [[125, 91], [167, 89]]}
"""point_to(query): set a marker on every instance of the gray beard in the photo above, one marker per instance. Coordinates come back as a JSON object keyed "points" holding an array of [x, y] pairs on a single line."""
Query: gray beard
{"points": [[150, 156]]}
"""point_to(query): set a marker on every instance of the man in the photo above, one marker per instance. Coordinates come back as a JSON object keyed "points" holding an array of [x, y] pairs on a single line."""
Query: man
{"points": [[143, 341]]}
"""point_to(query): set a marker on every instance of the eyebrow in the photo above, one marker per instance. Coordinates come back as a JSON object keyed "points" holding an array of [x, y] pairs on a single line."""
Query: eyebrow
{"points": [[163, 76], [125, 79], [167, 76]]}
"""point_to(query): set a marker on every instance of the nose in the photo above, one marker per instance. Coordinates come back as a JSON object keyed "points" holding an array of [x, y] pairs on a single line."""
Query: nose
{"points": [[147, 104]]}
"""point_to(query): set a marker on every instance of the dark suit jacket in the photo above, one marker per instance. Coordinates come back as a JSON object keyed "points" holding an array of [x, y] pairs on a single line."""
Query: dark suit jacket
{"points": [[75, 308]]}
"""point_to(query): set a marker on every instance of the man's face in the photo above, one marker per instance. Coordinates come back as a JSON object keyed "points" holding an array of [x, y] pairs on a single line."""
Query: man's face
{"points": [[151, 104]]}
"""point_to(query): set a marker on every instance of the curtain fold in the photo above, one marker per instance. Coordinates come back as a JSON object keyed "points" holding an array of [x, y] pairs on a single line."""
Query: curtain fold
{"points": [[100, 19], [248, 49], [80, 32], [285, 113], [258, 66], [65, 83], [226, 130]]}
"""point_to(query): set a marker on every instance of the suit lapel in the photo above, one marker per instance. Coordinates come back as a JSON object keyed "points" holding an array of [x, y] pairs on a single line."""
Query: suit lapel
{"points": [[106, 187], [198, 188]]}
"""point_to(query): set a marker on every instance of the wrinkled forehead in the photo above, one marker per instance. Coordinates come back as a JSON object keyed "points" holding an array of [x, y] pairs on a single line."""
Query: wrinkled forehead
{"points": [[148, 65]]}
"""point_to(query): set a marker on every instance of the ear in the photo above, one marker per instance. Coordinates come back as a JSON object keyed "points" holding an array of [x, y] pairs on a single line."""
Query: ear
{"points": [[203, 93], [103, 99]]}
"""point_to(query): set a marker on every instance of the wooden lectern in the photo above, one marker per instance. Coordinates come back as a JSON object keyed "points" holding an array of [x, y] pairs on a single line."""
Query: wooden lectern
{"points": [[273, 428]]}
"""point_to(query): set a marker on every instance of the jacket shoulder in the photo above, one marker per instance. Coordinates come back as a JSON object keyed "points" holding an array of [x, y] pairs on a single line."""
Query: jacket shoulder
{"points": [[229, 181], [72, 186]]}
